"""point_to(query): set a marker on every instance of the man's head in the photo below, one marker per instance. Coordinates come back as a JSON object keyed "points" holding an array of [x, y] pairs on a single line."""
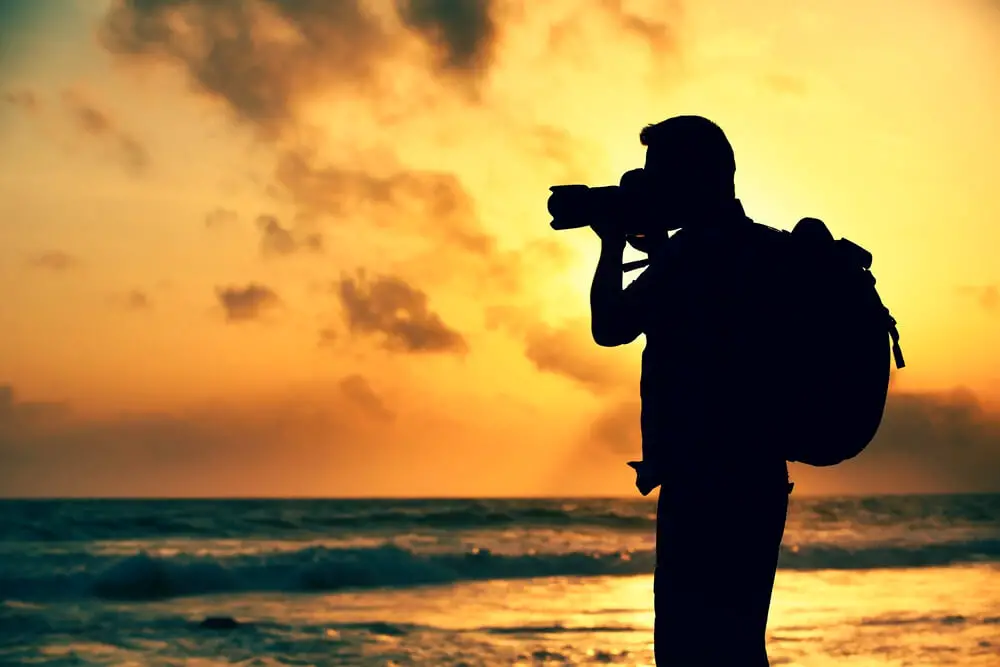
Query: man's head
{"points": [[690, 163]]}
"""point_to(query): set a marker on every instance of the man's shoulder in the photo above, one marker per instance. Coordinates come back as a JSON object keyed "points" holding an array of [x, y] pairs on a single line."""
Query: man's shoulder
{"points": [[760, 226], [766, 232], [767, 241]]}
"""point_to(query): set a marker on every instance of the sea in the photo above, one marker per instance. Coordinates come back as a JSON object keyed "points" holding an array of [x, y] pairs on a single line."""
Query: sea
{"points": [[897, 580]]}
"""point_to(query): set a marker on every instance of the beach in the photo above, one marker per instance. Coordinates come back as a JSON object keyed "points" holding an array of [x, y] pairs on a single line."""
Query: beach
{"points": [[893, 580]]}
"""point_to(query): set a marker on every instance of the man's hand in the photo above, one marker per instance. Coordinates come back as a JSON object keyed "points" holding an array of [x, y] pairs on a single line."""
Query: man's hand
{"points": [[612, 321], [611, 233], [645, 477]]}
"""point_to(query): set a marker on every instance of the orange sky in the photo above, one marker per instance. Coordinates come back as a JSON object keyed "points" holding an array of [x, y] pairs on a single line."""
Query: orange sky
{"points": [[301, 248]]}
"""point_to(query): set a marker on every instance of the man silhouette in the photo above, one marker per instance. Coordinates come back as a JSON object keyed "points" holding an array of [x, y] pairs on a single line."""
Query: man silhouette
{"points": [[705, 304]]}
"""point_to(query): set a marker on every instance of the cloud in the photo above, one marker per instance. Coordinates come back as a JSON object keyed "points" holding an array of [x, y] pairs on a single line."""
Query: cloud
{"points": [[287, 69], [987, 296], [606, 441], [296, 48], [278, 240], [135, 300], [949, 438], [270, 61], [98, 123], [931, 442], [421, 203], [16, 414], [25, 100], [389, 308], [653, 27], [463, 31], [374, 135], [616, 428], [358, 390], [251, 449], [518, 270], [220, 217], [56, 261], [569, 351], [327, 336], [250, 302], [656, 27], [264, 58]]}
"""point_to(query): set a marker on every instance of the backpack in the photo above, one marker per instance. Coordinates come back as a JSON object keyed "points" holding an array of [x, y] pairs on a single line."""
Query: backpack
{"points": [[829, 370]]}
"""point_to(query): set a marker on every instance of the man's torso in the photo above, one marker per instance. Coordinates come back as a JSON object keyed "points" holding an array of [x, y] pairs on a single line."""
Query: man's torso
{"points": [[705, 324]]}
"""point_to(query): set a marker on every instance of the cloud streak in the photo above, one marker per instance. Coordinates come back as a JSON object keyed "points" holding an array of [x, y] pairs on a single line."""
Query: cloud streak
{"points": [[276, 240], [97, 123], [247, 303], [397, 314], [360, 392], [195, 451], [220, 217], [55, 261], [25, 100], [950, 438], [134, 301], [944, 442], [421, 203], [569, 351]]}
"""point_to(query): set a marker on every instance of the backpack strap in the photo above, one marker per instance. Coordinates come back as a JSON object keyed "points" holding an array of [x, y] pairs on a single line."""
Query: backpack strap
{"points": [[897, 352]]}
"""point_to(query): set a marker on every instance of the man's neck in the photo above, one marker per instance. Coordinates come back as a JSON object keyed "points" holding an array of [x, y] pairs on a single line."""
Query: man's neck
{"points": [[725, 212], [717, 215]]}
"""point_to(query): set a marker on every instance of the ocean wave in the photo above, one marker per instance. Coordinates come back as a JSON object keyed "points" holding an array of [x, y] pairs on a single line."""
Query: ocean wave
{"points": [[877, 556], [318, 569], [304, 519], [115, 520], [486, 517], [555, 629]]}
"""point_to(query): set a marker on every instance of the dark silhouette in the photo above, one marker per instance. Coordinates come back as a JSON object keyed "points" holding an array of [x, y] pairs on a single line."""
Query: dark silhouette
{"points": [[762, 346]]}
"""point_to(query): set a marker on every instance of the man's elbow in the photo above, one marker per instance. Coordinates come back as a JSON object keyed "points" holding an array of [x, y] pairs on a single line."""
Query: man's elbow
{"points": [[604, 340], [612, 336]]}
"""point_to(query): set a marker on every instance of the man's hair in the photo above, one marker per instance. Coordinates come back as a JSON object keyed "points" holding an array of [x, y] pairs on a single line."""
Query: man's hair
{"points": [[698, 143]]}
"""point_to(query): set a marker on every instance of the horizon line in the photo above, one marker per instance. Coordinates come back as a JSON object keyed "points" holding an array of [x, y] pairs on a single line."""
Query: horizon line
{"points": [[652, 497]]}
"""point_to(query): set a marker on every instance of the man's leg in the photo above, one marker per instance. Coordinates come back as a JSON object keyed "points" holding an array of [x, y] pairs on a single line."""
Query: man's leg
{"points": [[716, 561], [762, 538], [683, 605]]}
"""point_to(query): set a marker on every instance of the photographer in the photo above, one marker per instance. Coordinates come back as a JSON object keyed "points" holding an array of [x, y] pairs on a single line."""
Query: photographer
{"points": [[704, 305]]}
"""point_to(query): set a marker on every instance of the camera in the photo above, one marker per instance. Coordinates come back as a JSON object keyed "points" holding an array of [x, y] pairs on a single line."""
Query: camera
{"points": [[631, 202]]}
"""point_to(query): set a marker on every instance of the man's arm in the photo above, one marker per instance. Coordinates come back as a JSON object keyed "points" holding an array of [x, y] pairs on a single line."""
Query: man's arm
{"points": [[615, 317]]}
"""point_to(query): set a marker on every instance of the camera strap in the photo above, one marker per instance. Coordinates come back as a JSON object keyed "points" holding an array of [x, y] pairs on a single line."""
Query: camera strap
{"points": [[628, 267]]}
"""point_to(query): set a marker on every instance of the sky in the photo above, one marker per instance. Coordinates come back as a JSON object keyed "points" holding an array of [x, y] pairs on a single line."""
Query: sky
{"points": [[300, 248]]}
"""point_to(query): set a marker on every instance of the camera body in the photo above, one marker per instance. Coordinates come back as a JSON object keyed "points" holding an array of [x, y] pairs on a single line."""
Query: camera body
{"points": [[632, 203]]}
